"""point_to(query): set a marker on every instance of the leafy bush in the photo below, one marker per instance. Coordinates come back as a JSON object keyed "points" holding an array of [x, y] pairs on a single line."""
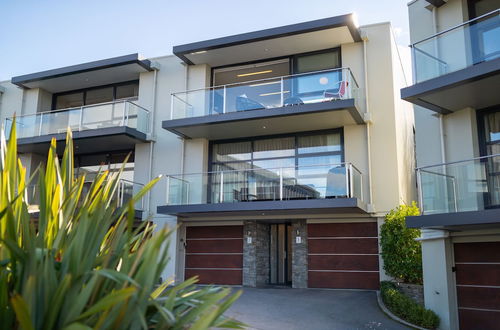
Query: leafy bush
{"points": [[82, 265], [402, 255], [406, 308]]}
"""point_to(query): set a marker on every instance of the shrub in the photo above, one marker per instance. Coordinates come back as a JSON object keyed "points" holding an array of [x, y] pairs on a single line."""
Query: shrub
{"points": [[406, 308], [82, 265], [402, 255]]}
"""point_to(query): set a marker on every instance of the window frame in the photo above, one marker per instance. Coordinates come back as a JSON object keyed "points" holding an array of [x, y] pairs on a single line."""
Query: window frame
{"points": [[84, 91]]}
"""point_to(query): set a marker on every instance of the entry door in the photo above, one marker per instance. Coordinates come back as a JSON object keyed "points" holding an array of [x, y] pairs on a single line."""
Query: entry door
{"points": [[280, 254]]}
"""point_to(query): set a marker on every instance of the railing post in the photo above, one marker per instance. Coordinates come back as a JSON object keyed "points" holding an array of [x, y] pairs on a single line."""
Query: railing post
{"points": [[172, 107], [224, 100], [40, 127], [167, 197], [221, 188], [351, 181], [281, 184], [282, 92], [347, 180], [420, 197], [80, 120], [126, 109]]}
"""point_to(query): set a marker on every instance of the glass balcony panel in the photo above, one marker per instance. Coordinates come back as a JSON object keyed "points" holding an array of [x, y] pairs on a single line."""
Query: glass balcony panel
{"points": [[470, 185], [272, 184], [313, 87], [121, 113], [471, 43], [59, 121]]}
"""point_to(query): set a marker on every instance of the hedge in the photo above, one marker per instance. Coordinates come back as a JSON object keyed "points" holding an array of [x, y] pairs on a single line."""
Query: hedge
{"points": [[406, 308], [401, 253]]}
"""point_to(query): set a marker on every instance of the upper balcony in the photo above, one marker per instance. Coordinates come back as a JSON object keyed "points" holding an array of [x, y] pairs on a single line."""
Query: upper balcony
{"points": [[459, 193], [100, 127], [292, 103], [458, 67], [292, 191]]}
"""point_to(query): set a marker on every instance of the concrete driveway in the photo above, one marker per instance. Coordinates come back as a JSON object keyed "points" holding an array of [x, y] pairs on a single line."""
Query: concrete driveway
{"points": [[286, 308]]}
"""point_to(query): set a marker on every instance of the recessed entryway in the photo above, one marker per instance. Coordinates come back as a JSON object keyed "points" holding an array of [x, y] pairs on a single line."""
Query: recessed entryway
{"points": [[280, 254]]}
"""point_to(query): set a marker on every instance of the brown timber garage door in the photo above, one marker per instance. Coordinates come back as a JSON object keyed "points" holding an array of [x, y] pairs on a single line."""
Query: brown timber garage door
{"points": [[343, 255], [478, 284], [215, 254]]}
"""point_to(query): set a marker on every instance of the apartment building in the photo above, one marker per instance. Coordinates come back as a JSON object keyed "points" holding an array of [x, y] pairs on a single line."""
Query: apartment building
{"points": [[281, 149], [456, 64]]}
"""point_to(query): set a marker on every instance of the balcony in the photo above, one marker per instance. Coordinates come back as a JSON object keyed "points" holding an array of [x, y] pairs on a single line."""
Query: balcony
{"points": [[124, 192], [275, 191], [294, 103], [459, 193], [99, 127], [458, 67]]}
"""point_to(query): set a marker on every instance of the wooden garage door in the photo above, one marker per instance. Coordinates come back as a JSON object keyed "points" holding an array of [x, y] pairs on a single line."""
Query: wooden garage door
{"points": [[478, 284], [215, 254], [343, 255]]}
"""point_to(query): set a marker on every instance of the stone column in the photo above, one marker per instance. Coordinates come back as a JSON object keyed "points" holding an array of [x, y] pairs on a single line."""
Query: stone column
{"points": [[249, 254], [299, 254]]}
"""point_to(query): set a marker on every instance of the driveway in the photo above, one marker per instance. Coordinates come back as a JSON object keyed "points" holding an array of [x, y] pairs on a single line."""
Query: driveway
{"points": [[276, 308]]}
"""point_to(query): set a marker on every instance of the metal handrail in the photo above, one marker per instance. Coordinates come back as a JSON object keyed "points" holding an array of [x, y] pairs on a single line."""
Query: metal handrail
{"points": [[458, 161], [77, 108], [457, 26], [344, 164], [267, 79]]}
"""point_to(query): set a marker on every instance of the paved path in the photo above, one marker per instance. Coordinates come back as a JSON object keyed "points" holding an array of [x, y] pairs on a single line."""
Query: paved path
{"points": [[276, 308]]}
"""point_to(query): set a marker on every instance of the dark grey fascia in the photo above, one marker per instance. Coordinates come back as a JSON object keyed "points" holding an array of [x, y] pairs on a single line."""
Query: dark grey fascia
{"points": [[337, 105], [80, 68], [449, 220], [282, 31], [436, 3], [415, 93], [94, 140], [338, 205]]}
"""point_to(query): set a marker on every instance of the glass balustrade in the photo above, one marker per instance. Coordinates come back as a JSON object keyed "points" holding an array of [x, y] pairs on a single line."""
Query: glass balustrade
{"points": [[305, 88], [470, 43], [104, 115], [260, 184]]}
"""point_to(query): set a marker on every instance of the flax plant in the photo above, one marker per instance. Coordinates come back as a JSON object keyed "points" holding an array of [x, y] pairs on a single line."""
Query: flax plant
{"points": [[79, 263]]}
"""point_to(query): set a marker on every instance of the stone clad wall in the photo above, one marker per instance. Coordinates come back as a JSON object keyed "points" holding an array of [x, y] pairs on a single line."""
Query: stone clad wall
{"points": [[299, 255], [255, 254]]}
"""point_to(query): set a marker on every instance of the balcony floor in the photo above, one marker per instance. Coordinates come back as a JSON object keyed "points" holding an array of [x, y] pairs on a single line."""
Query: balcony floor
{"points": [[475, 87], [88, 141], [457, 221], [296, 118], [295, 208]]}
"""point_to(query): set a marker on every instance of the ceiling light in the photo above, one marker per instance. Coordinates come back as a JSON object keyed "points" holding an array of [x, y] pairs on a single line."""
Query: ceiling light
{"points": [[253, 73], [263, 84], [198, 52], [274, 93]]}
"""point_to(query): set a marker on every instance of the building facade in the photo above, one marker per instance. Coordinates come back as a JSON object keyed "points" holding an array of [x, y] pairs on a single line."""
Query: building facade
{"points": [[281, 149], [456, 73]]}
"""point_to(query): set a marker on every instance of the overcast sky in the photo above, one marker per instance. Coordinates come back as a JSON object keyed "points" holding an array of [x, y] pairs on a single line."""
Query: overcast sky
{"points": [[38, 35]]}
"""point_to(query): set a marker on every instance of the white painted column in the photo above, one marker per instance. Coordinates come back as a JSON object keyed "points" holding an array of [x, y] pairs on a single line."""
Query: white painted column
{"points": [[439, 280]]}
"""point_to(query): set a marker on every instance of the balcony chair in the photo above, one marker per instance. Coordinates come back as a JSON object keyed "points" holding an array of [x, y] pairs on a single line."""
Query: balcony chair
{"points": [[243, 103], [335, 94], [293, 100]]}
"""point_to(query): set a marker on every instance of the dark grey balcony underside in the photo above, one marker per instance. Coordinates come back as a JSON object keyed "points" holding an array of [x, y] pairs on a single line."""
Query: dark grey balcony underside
{"points": [[267, 208], [457, 220], [89, 141], [475, 87], [296, 118]]}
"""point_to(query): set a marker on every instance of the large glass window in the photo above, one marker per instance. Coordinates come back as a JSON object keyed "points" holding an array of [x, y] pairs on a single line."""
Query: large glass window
{"points": [[489, 125], [303, 165], [96, 95]]}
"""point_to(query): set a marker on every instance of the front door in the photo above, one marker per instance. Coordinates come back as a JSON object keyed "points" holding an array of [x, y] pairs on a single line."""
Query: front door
{"points": [[280, 254]]}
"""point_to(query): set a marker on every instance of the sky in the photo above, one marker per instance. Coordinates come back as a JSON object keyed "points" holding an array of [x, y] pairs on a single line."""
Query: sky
{"points": [[37, 35]]}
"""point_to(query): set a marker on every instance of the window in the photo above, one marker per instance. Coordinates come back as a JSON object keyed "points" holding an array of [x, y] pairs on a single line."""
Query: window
{"points": [[96, 95], [306, 163], [317, 61]]}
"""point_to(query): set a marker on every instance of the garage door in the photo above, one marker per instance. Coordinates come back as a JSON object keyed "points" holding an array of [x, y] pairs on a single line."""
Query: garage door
{"points": [[215, 254], [478, 284], [343, 255]]}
